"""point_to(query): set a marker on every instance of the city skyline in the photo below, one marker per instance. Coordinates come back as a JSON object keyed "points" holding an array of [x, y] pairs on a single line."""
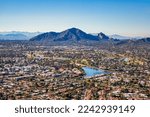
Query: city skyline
{"points": [[130, 18]]}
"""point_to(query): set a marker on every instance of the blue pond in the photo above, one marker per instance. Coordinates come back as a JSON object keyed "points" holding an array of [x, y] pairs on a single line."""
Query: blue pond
{"points": [[90, 72]]}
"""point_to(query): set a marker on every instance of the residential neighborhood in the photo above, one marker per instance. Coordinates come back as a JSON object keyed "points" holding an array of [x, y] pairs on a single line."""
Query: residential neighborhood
{"points": [[36, 72]]}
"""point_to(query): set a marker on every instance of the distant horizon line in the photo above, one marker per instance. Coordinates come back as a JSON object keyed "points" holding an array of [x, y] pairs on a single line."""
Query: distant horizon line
{"points": [[108, 34]]}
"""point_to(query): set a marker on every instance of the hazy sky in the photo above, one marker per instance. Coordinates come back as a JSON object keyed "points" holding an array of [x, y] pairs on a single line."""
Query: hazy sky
{"points": [[125, 17]]}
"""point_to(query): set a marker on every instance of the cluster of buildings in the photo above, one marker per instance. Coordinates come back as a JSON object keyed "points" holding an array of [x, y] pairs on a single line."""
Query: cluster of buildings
{"points": [[56, 73]]}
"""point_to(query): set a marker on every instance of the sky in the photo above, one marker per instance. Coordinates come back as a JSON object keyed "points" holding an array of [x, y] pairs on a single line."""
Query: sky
{"points": [[124, 17]]}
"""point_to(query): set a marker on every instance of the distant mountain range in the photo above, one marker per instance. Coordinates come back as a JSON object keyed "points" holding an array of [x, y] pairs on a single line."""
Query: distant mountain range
{"points": [[72, 35], [121, 37], [69, 35], [77, 35], [115, 36], [16, 35], [134, 42]]}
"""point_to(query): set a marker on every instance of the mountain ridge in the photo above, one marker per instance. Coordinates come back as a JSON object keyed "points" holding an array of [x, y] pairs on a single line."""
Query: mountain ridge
{"points": [[75, 35], [72, 34], [17, 35]]}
